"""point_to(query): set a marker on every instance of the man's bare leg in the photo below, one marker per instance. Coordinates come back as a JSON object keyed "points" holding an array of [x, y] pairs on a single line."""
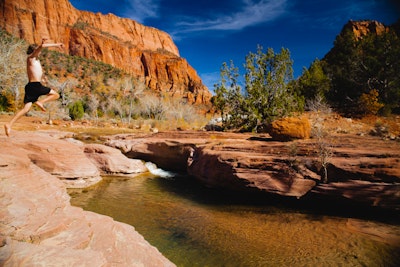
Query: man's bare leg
{"points": [[19, 114], [40, 105], [53, 95]]}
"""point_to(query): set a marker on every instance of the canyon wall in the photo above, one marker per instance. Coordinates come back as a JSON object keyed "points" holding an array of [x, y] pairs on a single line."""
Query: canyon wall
{"points": [[145, 52]]}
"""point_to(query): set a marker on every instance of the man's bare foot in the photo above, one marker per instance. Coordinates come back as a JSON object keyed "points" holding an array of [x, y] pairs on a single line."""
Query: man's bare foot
{"points": [[7, 129], [40, 105]]}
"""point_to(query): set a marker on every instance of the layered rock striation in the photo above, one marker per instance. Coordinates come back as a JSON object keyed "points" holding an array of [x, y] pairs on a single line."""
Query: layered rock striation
{"points": [[247, 163], [145, 52]]}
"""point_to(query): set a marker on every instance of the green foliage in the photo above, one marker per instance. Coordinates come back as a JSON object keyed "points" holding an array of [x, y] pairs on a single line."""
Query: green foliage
{"points": [[76, 110], [314, 82], [356, 66], [228, 98], [267, 94], [4, 103]]}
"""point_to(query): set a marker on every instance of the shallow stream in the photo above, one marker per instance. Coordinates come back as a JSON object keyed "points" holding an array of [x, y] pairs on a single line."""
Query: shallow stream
{"points": [[196, 226]]}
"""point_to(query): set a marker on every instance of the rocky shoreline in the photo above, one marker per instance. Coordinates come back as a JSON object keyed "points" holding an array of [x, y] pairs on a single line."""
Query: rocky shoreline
{"points": [[39, 226], [361, 169]]}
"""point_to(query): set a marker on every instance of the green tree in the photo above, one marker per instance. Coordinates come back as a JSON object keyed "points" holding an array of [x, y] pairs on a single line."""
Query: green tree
{"points": [[359, 65], [314, 82], [267, 90], [267, 93], [228, 98]]}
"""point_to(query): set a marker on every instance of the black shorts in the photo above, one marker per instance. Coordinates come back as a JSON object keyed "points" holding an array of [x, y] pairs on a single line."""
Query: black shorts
{"points": [[33, 90]]}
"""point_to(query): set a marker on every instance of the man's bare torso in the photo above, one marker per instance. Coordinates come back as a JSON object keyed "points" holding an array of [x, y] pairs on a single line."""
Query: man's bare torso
{"points": [[34, 69]]}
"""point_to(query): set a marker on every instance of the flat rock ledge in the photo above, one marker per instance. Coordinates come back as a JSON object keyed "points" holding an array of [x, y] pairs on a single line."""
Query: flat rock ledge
{"points": [[362, 169], [39, 227]]}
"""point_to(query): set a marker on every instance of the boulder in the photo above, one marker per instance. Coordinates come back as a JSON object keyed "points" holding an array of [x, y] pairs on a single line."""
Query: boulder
{"points": [[290, 128], [111, 161]]}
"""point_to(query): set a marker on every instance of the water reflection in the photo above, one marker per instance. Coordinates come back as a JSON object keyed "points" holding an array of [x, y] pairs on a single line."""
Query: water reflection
{"points": [[196, 226]]}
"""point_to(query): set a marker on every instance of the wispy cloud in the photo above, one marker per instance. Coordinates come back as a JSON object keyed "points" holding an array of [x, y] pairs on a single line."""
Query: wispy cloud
{"points": [[339, 13], [140, 10], [251, 13]]}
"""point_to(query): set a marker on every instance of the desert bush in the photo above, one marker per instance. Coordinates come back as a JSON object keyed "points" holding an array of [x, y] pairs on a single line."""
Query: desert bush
{"points": [[318, 104], [151, 107], [12, 71], [369, 103], [182, 114], [76, 110], [322, 136]]}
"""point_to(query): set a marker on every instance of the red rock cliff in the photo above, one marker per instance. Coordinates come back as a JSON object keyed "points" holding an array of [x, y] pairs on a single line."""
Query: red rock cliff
{"points": [[145, 52], [362, 28]]}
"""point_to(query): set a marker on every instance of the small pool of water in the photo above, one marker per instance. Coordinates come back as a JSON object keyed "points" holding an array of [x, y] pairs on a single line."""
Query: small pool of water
{"points": [[196, 226]]}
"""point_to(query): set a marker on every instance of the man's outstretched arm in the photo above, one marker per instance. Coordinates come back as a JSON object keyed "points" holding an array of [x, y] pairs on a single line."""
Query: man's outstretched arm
{"points": [[44, 44]]}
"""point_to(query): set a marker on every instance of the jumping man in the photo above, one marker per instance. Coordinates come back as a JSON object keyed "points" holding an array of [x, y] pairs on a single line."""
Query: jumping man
{"points": [[34, 89]]}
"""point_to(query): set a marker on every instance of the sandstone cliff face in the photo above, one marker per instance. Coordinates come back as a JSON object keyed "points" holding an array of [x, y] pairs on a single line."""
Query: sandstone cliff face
{"points": [[145, 52]]}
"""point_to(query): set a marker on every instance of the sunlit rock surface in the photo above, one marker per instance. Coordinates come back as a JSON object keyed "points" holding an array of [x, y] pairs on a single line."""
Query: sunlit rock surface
{"points": [[142, 51], [361, 169], [39, 227]]}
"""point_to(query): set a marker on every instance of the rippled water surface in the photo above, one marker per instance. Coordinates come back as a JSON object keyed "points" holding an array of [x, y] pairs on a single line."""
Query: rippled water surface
{"points": [[196, 226]]}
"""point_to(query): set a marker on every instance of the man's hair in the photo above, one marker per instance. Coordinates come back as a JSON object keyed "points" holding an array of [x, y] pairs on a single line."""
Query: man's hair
{"points": [[31, 48]]}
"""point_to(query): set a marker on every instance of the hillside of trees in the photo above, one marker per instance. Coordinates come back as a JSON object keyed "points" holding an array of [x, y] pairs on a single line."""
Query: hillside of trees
{"points": [[356, 78]]}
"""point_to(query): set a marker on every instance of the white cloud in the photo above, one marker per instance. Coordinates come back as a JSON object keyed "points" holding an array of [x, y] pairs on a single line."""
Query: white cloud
{"points": [[140, 10], [251, 13]]}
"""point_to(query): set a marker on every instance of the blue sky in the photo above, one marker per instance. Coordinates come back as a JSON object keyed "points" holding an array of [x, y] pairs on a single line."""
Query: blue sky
{"points": [[210, 32]]}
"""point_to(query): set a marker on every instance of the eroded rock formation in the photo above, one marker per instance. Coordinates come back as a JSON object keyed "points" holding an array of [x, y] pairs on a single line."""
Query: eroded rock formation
{"points": [[363, 28], [145, 52], [247, 163], [39, 227], [112, 161]]}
